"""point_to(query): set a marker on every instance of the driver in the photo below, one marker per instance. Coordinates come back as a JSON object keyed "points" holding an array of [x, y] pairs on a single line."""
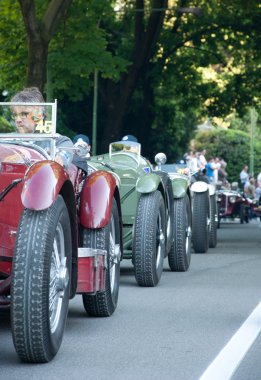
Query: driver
{"points": [[28, 118]]}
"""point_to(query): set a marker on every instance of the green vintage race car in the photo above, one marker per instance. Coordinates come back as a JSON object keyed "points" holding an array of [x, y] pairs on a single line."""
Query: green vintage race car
{"points": [[203, 206], [150, 215]]}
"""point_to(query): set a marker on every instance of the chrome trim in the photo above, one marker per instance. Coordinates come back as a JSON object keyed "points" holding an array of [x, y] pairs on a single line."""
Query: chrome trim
{"points": [[91, 252]]}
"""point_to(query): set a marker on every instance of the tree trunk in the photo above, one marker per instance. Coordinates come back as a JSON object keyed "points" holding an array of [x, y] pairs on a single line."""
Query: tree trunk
{"points": [[39, 34], [37, 63], [118, 95]]}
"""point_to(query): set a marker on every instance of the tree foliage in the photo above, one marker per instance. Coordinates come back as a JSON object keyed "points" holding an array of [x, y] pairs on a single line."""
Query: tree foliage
{"points": [[164, 65]]}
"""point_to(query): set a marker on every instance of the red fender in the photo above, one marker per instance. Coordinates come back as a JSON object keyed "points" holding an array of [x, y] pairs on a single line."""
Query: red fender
{"points": [[42, 183], [96, 199]]}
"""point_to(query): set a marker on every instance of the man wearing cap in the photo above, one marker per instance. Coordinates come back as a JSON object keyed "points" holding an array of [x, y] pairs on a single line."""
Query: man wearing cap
{"points": [[82, 142], [129, 138]]}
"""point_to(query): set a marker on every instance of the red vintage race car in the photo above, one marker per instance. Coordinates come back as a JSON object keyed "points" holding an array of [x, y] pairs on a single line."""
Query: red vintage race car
{"points": [[232, 203], [60, 235]]}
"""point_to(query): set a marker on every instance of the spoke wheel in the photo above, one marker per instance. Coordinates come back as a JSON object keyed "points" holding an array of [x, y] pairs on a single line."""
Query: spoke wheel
{"points": [[103, 303], [40, 286]]}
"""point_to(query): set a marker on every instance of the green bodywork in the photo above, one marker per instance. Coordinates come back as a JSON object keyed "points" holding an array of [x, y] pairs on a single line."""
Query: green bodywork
{"points": [[135, 175], [179, 186]]}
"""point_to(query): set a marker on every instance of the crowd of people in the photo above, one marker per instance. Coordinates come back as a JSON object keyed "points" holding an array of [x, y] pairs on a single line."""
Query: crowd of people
{"points": [[249, 184], [213, 168]]}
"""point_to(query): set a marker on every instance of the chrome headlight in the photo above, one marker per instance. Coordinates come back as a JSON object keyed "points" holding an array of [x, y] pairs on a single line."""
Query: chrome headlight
{"points": [[232, 199]]}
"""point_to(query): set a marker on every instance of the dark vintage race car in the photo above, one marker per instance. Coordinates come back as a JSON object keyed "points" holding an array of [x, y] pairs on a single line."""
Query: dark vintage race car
{"points": [[60, 235], [148, 210], [233, 204], [203, 201]]}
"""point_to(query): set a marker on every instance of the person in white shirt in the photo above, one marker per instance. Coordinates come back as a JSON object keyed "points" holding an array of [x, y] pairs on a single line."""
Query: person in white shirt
{"points": [[244, 176], [202, 159], [193, 162]]}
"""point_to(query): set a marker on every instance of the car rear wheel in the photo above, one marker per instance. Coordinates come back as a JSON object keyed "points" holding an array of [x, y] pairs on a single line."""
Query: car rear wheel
{"points": [[200, 222], [213, 222], [180, 253], [149, 239], [103, 303], [40, 286]]}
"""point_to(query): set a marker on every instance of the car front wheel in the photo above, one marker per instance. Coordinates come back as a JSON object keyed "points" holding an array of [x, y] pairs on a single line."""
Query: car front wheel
{"points": [[149, 239], [40, 286], [180, 253]]}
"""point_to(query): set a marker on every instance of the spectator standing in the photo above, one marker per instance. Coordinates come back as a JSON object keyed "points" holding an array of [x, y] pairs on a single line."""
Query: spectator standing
{"points": [[250, 188], [222, 174], [210, 167], [202, 159], [217, 167], [244, 176], [259, 180], [193, 162]]}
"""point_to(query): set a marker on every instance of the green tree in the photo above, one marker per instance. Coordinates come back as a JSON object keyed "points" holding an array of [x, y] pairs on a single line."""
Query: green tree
{"points": [[146, 50], [40, 22]]}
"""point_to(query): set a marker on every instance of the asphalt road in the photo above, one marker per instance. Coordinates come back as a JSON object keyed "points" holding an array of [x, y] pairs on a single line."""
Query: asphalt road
{"points": [[171, 332]]}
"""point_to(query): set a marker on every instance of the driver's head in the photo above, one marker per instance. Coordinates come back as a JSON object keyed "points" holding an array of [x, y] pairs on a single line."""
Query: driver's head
{"points": [[129, 138], [28, 117]]}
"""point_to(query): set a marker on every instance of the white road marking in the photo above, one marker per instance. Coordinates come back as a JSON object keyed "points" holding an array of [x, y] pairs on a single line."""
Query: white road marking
{"points": [[227, 361]]}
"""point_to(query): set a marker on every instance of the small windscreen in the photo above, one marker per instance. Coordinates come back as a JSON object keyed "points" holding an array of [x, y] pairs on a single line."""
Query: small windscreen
{"points": [[126, 147]]}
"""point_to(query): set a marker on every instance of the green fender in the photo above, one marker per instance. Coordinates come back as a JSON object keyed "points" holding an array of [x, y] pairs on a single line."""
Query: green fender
{"points": [[148, 183], [179, 187]]}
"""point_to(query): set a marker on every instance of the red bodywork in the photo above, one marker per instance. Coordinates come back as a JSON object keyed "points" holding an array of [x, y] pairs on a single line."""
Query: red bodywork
{"points": [[95, 280], [28, 180], [96, 201]]}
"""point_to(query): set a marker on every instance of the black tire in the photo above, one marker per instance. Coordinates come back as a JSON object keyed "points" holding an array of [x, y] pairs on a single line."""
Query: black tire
{"points": [[219, 217], [40, 286], [213, 222], [200, 222], [103, 303], [180, 253], [242, 213], [169, 210], [247, 214], [149, 239]]}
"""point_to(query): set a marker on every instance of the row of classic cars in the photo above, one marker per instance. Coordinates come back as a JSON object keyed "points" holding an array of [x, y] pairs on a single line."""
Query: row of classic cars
{"points": [[64, 231]]}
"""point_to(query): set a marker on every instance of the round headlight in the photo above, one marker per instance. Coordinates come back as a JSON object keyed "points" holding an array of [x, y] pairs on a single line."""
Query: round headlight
{"points": [[232, 199]]}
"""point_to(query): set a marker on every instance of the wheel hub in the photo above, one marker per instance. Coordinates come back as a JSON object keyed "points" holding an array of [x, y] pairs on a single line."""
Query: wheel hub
{"points": [[62, 278], [161, 238], [116, 254]]}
